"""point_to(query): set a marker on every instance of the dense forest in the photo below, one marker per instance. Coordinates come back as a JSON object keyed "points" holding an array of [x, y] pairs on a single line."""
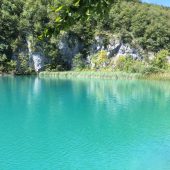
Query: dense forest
{"points": [[55, 35]]}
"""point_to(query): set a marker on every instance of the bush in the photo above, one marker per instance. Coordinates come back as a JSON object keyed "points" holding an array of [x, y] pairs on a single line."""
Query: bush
{"points": [[127, 64], [150, 69], [138, 67], [100, 60], [11, 65], [120, 63], [23, 65], [7, 65], [3, 60], [160, 60], [124, 63], [78, 62]]}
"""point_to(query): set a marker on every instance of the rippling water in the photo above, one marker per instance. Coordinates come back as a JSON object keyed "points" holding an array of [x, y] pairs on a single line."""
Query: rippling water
{"points": [[50, 124]]}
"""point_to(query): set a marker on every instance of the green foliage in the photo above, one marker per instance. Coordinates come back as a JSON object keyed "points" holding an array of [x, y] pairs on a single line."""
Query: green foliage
{"points": [[127, 64], [78, 62], [11, 65], [160, 60], [139, 24], [158, 65], [3, 60], [9, 20], [120, 63], [100, 60], [7, 65], [22, 65], [150, 69], [148, 25], [102, 57], [69, 12]]}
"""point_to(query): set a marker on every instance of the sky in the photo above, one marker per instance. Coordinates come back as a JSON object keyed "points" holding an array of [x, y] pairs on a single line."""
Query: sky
{"points": [[159, 2]]}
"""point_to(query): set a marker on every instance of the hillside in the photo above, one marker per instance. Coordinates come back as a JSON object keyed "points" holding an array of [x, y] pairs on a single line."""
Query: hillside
{"points": [[76, 35]]}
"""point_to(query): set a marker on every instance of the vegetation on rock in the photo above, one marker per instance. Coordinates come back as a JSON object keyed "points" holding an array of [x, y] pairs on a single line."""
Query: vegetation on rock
{"points": [[142, 26]]}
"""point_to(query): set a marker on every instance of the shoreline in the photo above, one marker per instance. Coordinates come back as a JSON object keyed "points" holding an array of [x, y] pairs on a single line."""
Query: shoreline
{"points": [[17, 74], [96, 75], [89, 75], [6, 74], [104, 75]]}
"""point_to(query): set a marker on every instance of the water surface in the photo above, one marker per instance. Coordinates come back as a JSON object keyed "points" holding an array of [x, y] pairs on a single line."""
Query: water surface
{"points": [[50, 124]]}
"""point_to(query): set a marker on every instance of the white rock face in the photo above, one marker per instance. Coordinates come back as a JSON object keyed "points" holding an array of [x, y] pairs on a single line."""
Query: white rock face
{"points": [[114, 48], [36, 59], [169, 59], [98, 45], [151, 55], [126, 50], [70, 45], [29, 44]]}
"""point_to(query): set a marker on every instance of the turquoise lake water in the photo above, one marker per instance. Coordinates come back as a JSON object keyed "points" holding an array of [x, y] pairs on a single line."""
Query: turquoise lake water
{"points": [[50, 124]]}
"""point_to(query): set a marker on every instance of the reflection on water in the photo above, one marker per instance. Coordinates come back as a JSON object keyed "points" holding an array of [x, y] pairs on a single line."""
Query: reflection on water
{"points": [[84, 124]]}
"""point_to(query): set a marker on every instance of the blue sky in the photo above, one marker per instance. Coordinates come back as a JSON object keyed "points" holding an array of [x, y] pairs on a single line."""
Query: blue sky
{"points": [[159, 2]]}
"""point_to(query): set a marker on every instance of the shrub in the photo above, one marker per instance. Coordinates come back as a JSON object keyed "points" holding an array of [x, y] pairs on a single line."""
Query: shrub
{"points": [[3, 60], [102, 57], [11, 65], [78, 62], [120, 63], [7, 65], [100, 60], [23, 66], [150, 69], [124, 63], [128, 64], [160, 60]]}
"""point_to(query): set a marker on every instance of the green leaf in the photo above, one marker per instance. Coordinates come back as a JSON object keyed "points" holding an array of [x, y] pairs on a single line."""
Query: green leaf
{"points": [[59, 8], [77, 3], [58, 19]]}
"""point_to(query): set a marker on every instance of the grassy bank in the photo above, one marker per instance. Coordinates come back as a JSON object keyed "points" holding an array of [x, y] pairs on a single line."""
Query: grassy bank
{"points": [[100, 75], [90, 74], [105, 75], [158, 76], [6, 74]]}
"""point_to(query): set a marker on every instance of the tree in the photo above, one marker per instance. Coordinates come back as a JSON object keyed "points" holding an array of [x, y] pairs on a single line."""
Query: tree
{"points": [[10, 11], [160, 60], [68, 12]]}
